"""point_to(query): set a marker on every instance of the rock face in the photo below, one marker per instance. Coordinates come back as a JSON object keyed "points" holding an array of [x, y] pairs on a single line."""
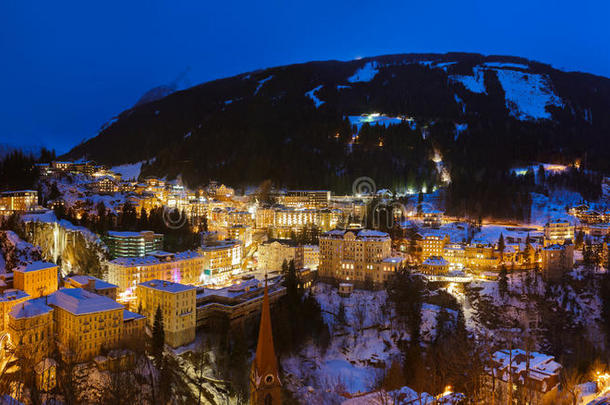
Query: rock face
{"points": [[71, 249], [302, 125]]}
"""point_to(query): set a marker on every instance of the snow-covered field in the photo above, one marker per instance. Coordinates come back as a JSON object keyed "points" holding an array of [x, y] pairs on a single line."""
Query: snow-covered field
{"points": [[129, 171], [527, 94], [364, 74]]}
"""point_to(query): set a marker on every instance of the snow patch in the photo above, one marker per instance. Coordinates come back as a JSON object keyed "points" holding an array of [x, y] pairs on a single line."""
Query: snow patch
{"points": [[261, 83], [312, 95], [365, 74], [475, 83], [527, 94], [131, 171]]}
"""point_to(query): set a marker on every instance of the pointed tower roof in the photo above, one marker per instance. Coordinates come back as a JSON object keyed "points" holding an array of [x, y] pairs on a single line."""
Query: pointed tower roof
{"points": [[265, 362]]}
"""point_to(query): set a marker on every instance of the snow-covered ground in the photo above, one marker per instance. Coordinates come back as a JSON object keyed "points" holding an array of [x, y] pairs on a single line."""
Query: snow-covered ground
{"points": [[364, 74], [527, 94], [474, 83], [129, 171], [358, 352], [312, 95]]}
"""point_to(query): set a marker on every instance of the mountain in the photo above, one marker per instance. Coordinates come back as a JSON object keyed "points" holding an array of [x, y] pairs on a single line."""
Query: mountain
{"points": [[441, 116]]}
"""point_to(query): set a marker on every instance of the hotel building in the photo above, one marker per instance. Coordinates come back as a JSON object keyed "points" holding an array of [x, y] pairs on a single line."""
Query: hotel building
{"points": [[357, 256], [128, 272], [178, 306], [36, 279]]}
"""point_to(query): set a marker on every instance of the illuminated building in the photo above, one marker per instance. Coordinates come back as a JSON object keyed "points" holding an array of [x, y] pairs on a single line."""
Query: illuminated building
{"points": [[481, 256], [92, 284], [85, 323], [36, 279], [221, 260], [311, 256], [455, 254], [22, 200], [239, 218], [433, 244], [8, 299], [271, 255], [433, 219], [178, 306], [31, 327], [127, 272], [357, 256], [235, 304], [133, 244], [264, 217], [242, 233], [558, 231], [105, 185], [305, 199], [435, 265]]}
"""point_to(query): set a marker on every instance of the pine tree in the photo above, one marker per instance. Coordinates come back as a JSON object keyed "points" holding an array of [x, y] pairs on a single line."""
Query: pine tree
{"points": [[341, 316], [503, 281], [158, 336]]}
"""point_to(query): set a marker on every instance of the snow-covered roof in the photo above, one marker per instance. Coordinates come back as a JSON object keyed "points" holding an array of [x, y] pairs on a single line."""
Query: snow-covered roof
{"points": [[83, 279], [128, 315], [541, 366], [12, 295], [126, 234], [30, 308], [79, 301], [155, 258], [435, 261], [166, 286], [360, 234], [35, 266]]}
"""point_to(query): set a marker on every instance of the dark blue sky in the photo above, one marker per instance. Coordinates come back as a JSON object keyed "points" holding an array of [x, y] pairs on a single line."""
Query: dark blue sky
{"points": [[68, 67]]}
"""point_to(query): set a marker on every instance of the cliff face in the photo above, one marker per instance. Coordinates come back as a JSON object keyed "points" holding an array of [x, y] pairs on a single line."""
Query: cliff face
{"points": [[71, 249]]}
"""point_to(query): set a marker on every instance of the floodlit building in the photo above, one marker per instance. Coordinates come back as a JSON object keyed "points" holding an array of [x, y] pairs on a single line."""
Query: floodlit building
{"points": [[272, 254], [92, 284], [558, 231], [128, 272], [8, 299], [36, 279], [221, 260], [133, 244], [311, 256], [435, 265], [235, 304], [433, 218], [433, 244], [305, 198], [455, 254], [85, 323], [480, 255], [357, 256], [31, 327], [242, 233], [178, 306], [21, 200]]}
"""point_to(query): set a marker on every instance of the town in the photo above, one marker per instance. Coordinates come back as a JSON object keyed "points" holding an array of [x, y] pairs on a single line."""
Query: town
{"points": [[108, 278]]}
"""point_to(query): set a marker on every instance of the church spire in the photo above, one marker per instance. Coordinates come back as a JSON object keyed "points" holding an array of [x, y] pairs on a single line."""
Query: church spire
{"points": [[265, 385]]}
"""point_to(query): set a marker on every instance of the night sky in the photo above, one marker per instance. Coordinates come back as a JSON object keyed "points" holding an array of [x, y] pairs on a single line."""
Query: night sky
{"points": [[68, 67]]}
